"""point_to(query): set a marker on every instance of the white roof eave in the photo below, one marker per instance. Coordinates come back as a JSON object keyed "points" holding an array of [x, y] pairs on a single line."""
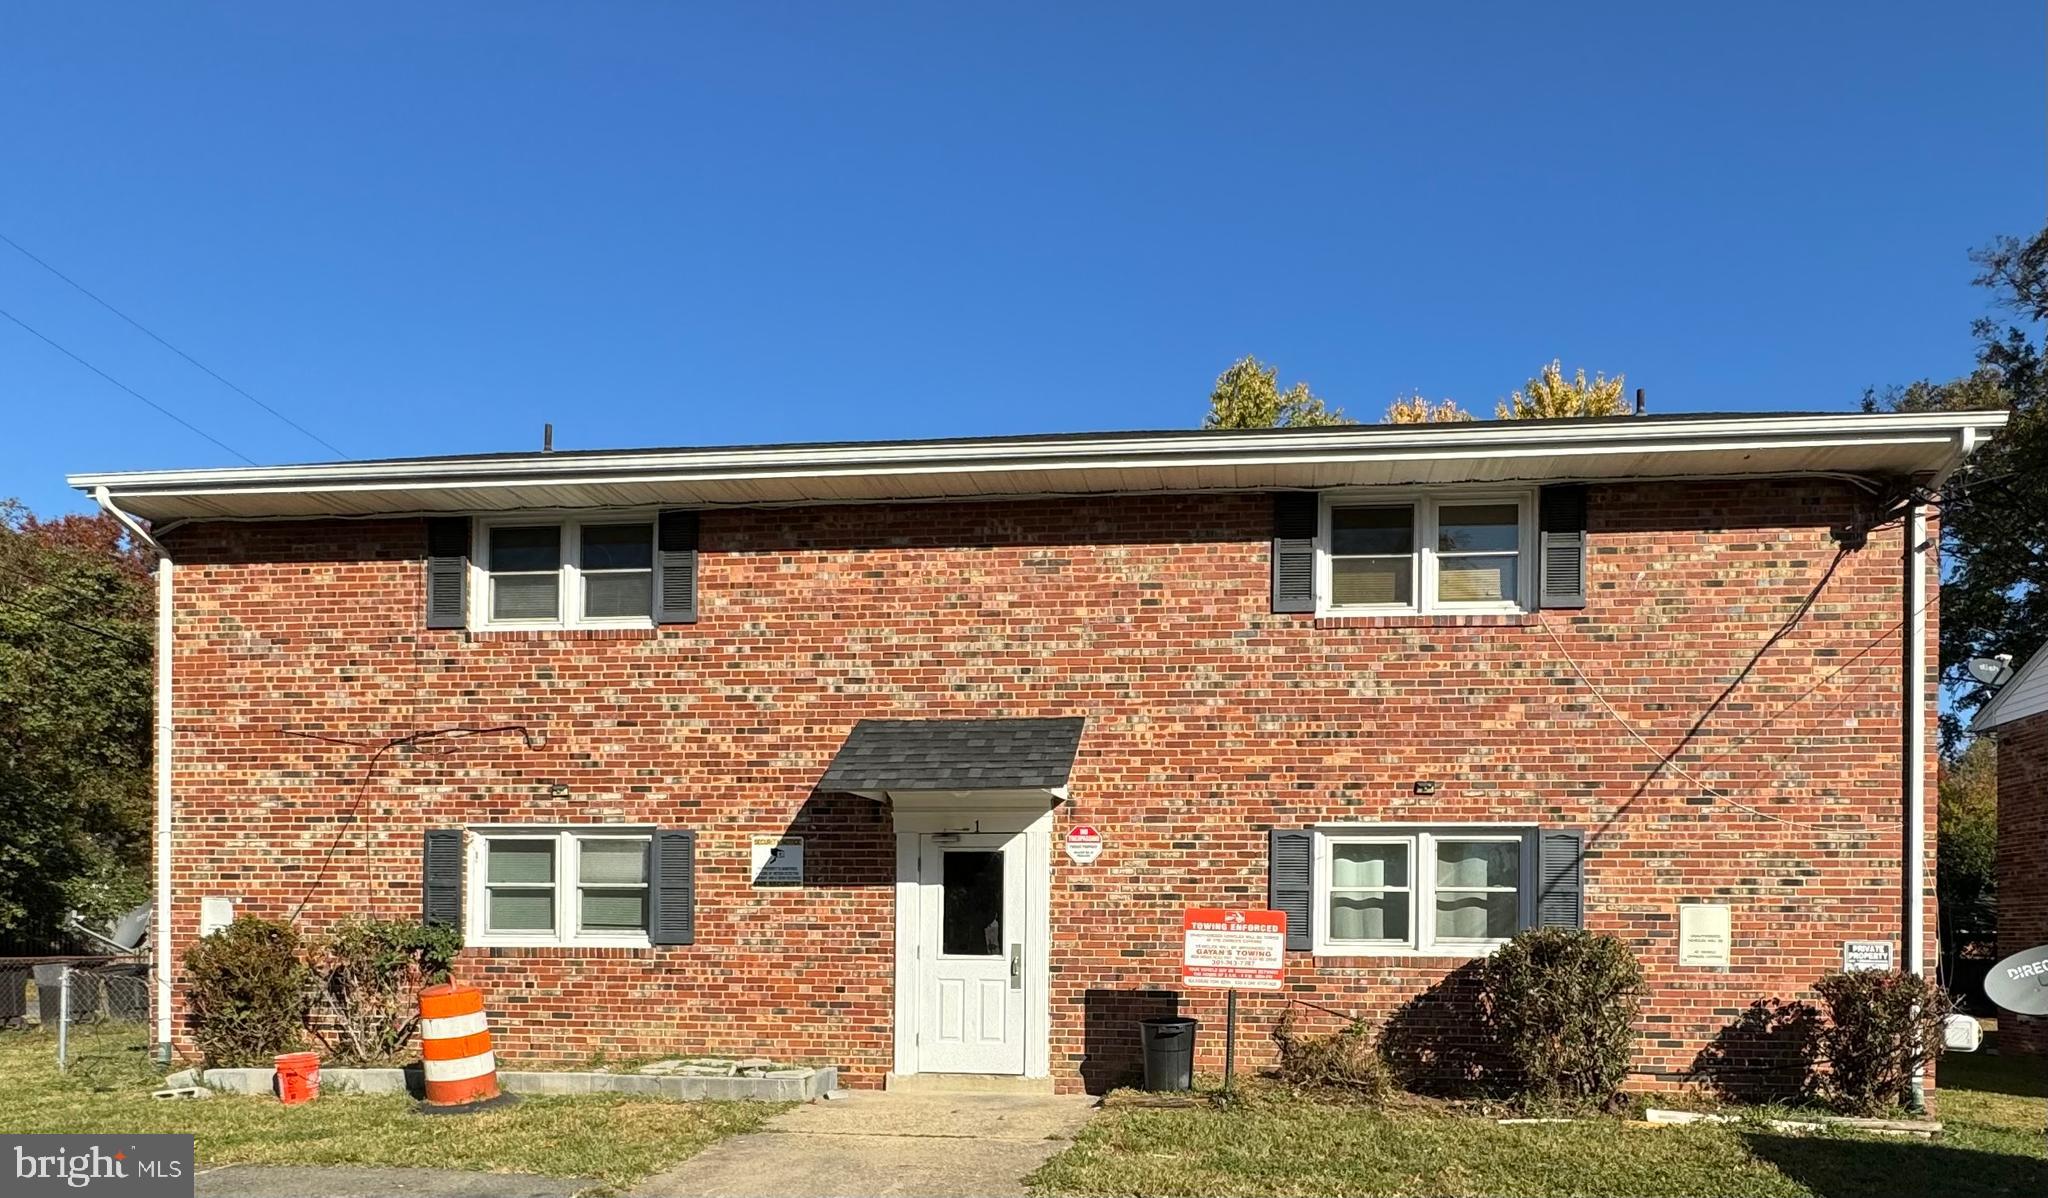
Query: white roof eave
{"points": [[1892, 443], [2019, 698]]}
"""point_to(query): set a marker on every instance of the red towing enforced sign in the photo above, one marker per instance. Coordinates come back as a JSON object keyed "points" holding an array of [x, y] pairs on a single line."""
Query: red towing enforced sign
{"points": [[1233, 950]]}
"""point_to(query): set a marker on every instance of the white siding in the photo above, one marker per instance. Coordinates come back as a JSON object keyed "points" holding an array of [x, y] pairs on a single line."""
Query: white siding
{"points": [[2025, 695]]}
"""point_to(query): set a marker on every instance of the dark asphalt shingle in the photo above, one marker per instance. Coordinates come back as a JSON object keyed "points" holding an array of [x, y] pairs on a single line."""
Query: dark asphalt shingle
{"points": [[955, 755]]}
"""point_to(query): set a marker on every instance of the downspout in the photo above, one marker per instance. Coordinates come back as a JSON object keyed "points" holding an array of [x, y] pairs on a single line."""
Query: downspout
{"points": [[1913, 704], [1915, 709], [162, 758]]}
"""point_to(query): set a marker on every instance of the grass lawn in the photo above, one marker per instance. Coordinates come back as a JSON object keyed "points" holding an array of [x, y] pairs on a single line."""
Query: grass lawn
{"points": [[1992, 1108], [613, 1138]]}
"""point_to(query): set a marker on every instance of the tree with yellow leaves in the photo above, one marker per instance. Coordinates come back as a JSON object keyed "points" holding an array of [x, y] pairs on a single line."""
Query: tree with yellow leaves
{"points": [[1416, 409], [1551, 395], [1248, 395]]}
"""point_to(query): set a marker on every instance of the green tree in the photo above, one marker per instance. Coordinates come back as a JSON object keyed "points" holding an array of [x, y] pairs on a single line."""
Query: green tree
{"points": [[1248, 395], [1967, 848], [1994, 512], [1551, 395], [75, 623]]}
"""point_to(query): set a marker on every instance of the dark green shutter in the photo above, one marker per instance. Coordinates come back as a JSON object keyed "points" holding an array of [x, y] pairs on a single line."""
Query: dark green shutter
{"points": [[441, 878], [1295, 517], [1561, 546], [672, 916], [447, 571], [675, 559], [1561, 903], [1291, 882]]}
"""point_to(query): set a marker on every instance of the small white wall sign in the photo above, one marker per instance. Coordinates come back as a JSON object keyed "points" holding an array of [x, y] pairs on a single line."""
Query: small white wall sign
{"points": [[1859, 956], [1705, 931], [1084, 844], [215, 914], [778, 860]]}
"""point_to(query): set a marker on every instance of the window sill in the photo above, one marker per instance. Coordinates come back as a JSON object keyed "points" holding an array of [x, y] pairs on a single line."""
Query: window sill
{"points": [[516, 948], [1338, 955], [1502, 619], [638, 633]]}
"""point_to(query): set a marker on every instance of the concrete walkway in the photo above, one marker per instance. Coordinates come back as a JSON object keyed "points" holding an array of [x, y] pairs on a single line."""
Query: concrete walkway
{"points": [[912, 1145]]}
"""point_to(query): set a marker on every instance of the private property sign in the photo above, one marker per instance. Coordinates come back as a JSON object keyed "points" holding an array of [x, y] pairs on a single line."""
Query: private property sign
{"points": [[1232, 950]]}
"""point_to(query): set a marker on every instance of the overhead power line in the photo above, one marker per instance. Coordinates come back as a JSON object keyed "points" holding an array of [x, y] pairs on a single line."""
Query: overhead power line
{"points": [[125, 387], [79, 625], [139, 327]]}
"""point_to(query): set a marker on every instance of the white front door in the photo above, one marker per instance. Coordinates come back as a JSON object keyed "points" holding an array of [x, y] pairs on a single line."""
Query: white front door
{"points": [[971, 952]]}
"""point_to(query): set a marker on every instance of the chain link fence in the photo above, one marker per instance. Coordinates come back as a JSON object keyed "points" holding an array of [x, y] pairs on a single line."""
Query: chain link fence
{"points": [[94, 1011]]}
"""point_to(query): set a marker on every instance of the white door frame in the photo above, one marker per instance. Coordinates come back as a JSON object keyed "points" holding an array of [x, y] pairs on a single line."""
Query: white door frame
{"points": [[1026, 812]]}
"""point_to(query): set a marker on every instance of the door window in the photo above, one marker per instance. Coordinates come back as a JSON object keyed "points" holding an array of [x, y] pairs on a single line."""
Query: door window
{"points": [[971, 904]]}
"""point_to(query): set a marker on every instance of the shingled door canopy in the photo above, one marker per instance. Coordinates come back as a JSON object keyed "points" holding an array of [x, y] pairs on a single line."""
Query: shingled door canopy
{"points": [[881, 756]]}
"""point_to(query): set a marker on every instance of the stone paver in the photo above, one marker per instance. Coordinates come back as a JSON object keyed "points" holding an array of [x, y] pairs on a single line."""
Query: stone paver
{"points": [[902, 1145], [267, 1181]]}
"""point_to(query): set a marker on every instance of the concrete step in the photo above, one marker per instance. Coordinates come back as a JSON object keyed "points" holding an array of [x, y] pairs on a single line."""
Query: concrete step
{"points": [[966, 1083]]}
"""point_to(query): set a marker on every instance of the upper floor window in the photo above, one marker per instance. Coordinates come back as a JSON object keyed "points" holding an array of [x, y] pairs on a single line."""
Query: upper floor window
{"points": [[1426, 553], [565, 573]]}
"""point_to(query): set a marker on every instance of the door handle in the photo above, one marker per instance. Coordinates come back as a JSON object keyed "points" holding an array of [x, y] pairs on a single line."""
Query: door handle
{"points": [[1016, 967]]}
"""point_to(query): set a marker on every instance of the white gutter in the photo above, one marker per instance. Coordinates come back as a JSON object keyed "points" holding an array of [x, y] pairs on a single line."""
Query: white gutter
{"points": [[162, 761], [1438, 442]]}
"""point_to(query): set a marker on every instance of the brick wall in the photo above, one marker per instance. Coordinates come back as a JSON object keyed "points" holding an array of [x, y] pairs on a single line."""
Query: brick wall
{"points": [[2022, 863], [1210, 720]]}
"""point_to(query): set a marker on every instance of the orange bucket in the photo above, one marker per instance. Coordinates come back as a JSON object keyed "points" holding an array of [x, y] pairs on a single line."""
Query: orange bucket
{"points": [[298, 1077]]}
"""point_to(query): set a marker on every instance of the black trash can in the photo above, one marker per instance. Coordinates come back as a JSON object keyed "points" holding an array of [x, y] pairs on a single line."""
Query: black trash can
{"points": [[1169, 1053]]}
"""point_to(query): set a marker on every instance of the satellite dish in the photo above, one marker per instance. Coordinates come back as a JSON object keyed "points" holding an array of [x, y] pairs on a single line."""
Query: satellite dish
{"points": [[1992, 671], [2020, 982], [129, 930]]}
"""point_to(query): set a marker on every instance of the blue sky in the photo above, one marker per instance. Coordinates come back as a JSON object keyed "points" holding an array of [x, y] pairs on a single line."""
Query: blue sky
{"points": [[429, 228]]}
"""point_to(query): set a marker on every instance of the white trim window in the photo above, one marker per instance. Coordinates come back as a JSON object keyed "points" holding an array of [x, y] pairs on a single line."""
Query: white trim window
{"points": [[559, 887], [563, 572], [1409, 553], [1441, 891]]}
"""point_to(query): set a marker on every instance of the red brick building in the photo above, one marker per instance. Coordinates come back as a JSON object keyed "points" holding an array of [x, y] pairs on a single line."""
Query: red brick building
{"points": [[1419, 687], [2017, 717]]}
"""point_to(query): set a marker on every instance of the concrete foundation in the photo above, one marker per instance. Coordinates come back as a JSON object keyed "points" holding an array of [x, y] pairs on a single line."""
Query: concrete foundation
{"points": [[782, 1085]]}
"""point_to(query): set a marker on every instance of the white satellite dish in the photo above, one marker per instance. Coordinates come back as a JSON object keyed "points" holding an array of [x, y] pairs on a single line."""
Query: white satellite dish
{"points": [[1992, 671]]}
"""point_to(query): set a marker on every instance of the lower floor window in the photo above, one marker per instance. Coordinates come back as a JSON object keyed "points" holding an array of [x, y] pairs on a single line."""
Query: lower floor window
{"points": [[1445, 889], [561, 886]]}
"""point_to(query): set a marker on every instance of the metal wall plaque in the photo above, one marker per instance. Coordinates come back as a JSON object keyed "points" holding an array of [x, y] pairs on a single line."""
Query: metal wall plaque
{"points": [[1705, 935], [778, 860]]}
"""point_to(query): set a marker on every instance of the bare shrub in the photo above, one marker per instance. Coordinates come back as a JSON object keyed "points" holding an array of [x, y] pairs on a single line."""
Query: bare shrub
{"points": [[1344, 1061]]}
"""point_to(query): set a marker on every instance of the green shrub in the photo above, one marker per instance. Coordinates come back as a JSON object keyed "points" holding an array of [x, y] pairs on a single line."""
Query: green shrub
{"points": [[1882, 1029], [1343, 1061], [1563, 1005], [248, 991], [370, 974]]}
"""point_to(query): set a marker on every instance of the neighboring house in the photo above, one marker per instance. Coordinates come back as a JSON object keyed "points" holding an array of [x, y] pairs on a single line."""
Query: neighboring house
{"points": [[1410, 685], [2017, 717]]}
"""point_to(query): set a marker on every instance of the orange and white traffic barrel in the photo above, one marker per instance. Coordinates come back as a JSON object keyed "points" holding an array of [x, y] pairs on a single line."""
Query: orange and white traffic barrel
{"points": [[455, 1047]]}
